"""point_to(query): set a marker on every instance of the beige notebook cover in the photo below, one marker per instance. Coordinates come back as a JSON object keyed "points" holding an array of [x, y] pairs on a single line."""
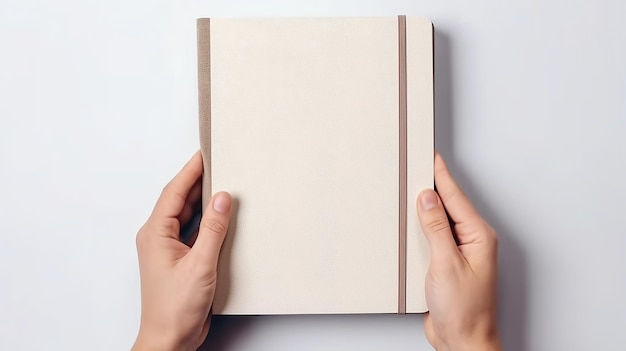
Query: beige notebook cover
{"points": [[322, 130]]}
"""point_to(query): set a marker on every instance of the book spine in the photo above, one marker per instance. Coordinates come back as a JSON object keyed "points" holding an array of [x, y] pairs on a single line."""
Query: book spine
{"points": [[204, 103]]}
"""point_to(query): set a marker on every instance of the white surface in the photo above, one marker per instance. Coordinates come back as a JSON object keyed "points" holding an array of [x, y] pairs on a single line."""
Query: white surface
{"points": [[98, 110]]}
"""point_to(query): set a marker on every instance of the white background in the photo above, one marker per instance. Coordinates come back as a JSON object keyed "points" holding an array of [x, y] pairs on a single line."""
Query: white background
{"points": [[98, 109]]}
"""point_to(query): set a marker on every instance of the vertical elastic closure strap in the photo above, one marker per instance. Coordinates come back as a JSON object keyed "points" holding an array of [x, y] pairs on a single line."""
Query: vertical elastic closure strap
{"points": [[403, 166]]}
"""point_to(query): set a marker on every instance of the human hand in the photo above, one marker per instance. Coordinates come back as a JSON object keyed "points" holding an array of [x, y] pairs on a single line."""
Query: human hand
{"points": [[178, 281], [461, 283]]}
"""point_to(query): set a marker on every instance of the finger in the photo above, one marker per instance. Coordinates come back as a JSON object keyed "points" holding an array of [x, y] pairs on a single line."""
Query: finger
{"points": [[456, 203], [174, 195], [205, 329], [436, 228], [213, 228]]}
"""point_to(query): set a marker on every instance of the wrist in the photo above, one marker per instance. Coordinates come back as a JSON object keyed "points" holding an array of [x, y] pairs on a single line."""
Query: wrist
{"points": [[147, 341], [491, 343]]}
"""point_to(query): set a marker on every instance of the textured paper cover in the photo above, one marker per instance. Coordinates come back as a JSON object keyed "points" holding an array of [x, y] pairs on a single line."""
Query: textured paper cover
{"points": [[304, 134]]}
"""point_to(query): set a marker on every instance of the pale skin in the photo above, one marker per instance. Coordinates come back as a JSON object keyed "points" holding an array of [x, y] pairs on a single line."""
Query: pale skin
{"points": [[178, 282]]}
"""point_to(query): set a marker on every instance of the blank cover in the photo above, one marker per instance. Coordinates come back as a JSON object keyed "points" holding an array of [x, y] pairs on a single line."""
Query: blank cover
{"points": [[322, 131]]}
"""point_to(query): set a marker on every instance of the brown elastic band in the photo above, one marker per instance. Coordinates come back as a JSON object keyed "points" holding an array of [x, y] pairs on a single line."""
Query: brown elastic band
{"points": [[403, 167], [204, 102]]}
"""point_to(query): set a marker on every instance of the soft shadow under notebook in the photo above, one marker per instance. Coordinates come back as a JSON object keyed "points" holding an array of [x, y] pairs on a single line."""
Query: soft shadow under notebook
{"points": [[322, 131]]}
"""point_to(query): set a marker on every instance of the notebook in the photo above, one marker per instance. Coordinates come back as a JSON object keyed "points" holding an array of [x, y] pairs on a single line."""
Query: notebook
{"points": [[322, 131]]}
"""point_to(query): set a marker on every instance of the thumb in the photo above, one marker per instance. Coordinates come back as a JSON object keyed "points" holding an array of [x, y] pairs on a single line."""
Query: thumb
{"points": [[213, 228], [436, 228]]}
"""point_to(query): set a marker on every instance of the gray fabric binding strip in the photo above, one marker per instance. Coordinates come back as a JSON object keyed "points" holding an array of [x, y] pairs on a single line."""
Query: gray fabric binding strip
{"points": [[204, 103]]}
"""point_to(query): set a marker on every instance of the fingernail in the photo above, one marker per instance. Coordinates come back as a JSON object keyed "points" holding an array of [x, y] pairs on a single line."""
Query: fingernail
{"points": [[428, 200], [221, 203]]}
